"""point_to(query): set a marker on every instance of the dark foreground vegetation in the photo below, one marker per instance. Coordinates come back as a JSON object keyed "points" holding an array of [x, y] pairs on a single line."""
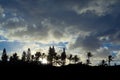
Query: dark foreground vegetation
{"points": [[29, 66], [72, 71]]}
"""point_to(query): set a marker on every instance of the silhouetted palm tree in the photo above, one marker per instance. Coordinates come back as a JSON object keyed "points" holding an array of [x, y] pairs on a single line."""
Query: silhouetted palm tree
{"points": [[37, 56], [89, 55], [70, 57], [32, 57], [88, 62], [4, 55], [110, 58], [57, 60], [76, 59], [43, 55], [103, 63]]}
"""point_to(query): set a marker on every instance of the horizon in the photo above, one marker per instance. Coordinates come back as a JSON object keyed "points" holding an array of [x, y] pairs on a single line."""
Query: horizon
{"points": [[44, 60]]}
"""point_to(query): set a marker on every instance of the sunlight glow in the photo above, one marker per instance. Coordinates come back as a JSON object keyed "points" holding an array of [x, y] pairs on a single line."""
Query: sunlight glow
{"points": [[44, 61]]}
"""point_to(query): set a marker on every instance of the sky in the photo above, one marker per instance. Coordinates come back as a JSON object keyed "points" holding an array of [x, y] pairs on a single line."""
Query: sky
{"points": [[78, 25]]}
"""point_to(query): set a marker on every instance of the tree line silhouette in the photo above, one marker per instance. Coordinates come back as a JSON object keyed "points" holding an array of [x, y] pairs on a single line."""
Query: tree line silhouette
{"points": [[52, 58]]}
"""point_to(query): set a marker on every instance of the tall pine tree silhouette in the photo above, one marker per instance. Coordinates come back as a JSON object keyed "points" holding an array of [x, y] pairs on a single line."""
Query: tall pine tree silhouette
{"points": [[28, 54], [51, 55], [4, 56], [24, 56], [63, 57]]}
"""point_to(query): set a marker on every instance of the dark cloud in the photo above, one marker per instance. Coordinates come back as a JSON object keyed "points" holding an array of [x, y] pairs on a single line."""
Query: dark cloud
{"points": [[88, 43], [62, 20]]}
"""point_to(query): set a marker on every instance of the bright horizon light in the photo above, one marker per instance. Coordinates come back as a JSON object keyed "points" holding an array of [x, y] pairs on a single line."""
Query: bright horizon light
{"points": [[44, 61]]}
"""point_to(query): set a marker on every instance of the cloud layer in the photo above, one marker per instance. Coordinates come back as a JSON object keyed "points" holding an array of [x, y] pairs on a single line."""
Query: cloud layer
{"points": [[84, 24]]}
